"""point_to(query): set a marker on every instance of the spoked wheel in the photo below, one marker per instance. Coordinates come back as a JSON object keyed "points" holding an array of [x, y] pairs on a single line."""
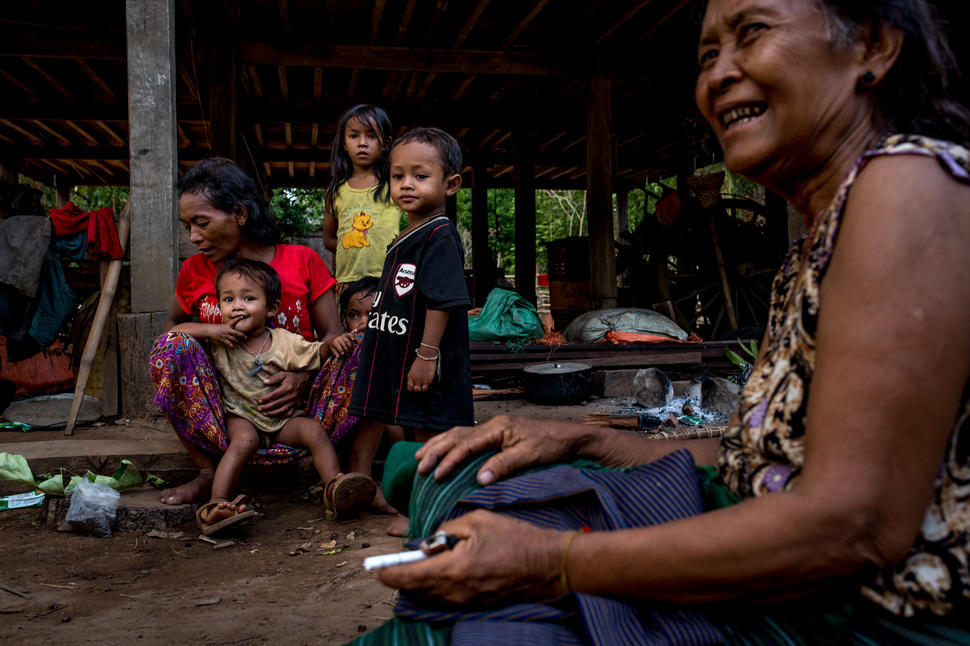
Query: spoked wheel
{"points": [[719, 269]]}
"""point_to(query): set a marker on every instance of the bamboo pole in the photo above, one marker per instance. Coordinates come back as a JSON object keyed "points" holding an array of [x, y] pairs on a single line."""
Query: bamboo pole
{"points": [[108, 289]]}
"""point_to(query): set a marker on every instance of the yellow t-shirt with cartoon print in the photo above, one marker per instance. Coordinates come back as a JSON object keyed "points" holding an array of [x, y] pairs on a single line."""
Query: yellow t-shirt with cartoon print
{"points": [[365, 228]]}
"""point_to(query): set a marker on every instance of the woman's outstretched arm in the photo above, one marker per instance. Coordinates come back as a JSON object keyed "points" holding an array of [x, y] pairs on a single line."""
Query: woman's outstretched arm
{"points": [[891, 363]]}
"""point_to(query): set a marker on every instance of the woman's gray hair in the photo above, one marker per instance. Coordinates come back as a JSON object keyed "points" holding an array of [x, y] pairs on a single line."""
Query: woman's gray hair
{"points": [[916, 96]]}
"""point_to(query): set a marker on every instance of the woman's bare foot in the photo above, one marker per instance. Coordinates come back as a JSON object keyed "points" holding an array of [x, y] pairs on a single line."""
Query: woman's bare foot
{"points": [[380, 505], [196, 489], [398, 526]]}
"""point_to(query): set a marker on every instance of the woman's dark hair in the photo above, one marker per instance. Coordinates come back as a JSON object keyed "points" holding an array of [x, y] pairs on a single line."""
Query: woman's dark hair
{"points": [[228, 188], [366, 286], [341, 168], [258, 272], [916, 96]]}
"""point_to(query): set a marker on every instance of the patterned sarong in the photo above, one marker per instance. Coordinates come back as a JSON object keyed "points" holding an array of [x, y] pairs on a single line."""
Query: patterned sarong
{"points": [[569, 497], [563, 498], [187, 389], [330, 394]]}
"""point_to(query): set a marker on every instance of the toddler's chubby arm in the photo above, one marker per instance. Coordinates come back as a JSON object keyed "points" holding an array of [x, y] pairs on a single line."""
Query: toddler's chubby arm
{"points": [[217, 332], [422, 371]]}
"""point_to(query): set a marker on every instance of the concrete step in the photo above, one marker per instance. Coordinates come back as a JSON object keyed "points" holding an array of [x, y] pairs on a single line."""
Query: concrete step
{"points": [[139, 510], [153, 448]]}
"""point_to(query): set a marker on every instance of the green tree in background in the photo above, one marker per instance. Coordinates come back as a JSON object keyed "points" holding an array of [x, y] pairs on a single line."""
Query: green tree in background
{"points": [[299, 211]]}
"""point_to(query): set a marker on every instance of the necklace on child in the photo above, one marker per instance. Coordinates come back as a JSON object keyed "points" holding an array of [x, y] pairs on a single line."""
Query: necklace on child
{"points": [[257, 362]]}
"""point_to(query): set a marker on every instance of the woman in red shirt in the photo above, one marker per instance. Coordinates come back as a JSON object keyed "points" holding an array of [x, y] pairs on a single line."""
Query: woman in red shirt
{"points": [[227, 217]]}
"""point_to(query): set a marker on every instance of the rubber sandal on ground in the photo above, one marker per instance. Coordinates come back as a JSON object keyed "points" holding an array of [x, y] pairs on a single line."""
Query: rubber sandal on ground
{"points": [[347, 494], [203, 512]]}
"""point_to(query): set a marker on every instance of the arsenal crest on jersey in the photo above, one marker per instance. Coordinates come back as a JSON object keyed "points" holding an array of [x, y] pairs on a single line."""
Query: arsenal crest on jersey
{"points": [[404, 279]]}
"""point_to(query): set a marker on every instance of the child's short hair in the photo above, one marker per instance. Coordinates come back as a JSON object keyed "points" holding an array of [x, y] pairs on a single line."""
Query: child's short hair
{"points": [[368, 285], [448, 149], [258, 272]]}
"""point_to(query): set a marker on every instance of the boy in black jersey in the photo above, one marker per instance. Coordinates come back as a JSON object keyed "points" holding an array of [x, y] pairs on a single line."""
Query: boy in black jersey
{"points": [[414, 369]]}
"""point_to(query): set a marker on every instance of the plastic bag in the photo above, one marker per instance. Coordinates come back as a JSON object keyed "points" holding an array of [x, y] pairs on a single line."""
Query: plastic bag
{"points": [[506, 317], [591, 327], [93, 508]]}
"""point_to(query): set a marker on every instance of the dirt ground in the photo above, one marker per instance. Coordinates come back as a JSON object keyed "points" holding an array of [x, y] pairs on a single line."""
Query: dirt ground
{"points": [[292, 578]]}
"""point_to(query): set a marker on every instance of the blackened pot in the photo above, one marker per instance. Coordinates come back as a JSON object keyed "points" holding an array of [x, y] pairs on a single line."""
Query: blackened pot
{"points": [[558, 383]]}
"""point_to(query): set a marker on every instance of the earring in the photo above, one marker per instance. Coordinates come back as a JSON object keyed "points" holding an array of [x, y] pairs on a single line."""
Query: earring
{"points": [[868, 79]]}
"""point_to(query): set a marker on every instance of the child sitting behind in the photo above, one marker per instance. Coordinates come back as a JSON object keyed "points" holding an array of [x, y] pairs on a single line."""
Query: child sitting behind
{"points": [[414, 366], [249, 295]]}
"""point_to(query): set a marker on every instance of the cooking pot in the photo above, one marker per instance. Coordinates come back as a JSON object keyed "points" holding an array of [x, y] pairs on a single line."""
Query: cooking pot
{"points": [[558, 383]]}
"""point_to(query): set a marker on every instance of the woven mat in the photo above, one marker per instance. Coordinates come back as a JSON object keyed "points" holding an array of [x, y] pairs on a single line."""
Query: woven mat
{"points": [[688, 433]]}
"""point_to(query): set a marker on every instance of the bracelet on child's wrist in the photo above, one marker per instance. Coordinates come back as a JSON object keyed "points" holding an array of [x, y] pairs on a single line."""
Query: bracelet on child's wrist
{"points": [[417, 351]]}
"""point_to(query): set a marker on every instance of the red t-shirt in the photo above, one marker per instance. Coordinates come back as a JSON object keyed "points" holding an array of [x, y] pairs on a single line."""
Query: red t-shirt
{"points": [[303, 275]]}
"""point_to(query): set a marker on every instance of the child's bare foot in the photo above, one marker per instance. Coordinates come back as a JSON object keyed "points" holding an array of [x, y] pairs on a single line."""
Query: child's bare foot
{"points": [[196, 489], [398, 526], [219, 513], [222, 510]]}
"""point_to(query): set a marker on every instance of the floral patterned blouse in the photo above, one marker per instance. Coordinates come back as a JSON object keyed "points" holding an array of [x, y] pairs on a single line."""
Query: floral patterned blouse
{"points": [[764, 451]]}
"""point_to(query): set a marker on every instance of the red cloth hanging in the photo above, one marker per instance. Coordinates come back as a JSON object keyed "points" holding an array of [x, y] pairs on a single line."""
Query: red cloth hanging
{"points": [[102, 235]]}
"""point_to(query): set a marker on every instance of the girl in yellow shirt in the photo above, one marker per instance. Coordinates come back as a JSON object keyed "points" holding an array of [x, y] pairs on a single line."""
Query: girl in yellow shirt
{"points": [[360, 219]]}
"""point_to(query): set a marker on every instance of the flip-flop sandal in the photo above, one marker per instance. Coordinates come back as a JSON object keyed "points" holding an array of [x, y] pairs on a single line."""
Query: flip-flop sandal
{"points": [[347, 494], [203, 512]]}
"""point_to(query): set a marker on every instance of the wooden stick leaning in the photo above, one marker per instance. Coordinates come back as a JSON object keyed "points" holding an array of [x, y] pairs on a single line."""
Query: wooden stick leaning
{"points": [[108, 289]]}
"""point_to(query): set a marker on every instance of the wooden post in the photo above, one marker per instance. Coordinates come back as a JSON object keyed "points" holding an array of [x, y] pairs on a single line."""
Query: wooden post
{"points": [[62, 194], [483, 264], [451, 207], [599, 193], [622, 211], [137, 333], [8, 171], [152, 141], [525, 219]]}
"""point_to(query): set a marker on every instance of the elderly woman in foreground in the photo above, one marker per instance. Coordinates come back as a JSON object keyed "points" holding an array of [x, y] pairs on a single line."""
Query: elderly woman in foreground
{"points": [[849, 454]]}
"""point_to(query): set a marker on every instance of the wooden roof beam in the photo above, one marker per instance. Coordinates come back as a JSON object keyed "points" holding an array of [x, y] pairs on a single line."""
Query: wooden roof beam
{"points": [[375, 21], [68, 98], [61, 139], [284, 84], [657, 24], [508, 42], [402, 27], [406, 59], [97, 80], [184, 139], [115, 139], [31, 95], [29, 135], [285, 19], [524, 23], [618, 22], [188, 80], [88, 139]]}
